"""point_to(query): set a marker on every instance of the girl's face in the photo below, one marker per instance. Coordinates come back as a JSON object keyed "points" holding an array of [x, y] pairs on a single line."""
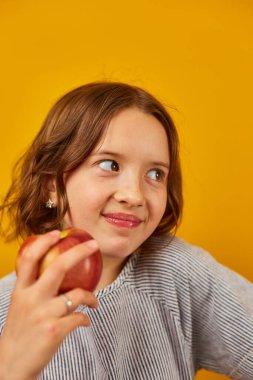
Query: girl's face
{"points": [[119, 193]]}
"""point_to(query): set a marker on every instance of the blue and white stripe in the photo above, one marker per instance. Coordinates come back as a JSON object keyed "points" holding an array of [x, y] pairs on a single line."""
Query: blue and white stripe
{"points": [[172, 310]]}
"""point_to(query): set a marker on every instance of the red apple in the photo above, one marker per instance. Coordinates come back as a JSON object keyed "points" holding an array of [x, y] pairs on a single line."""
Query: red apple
{"points": [[85, 274]]}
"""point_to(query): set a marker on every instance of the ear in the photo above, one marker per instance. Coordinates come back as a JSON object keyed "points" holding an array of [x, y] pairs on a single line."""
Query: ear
{"points": [[51, 189]]}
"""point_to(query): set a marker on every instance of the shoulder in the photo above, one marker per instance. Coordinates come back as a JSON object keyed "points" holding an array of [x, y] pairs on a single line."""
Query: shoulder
{"points": [[166, 266], [172, 256], [7, 284], [173, 268], [169, 267]]}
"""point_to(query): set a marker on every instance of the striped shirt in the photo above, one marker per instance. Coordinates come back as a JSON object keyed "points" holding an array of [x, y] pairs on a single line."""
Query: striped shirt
{"points": [[172, 310]]}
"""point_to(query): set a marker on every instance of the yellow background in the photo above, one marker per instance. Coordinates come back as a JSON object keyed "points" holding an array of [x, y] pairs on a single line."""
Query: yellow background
{"points": [[196, 56]]}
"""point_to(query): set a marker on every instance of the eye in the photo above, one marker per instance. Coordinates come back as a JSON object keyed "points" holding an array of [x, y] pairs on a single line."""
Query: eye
{"points": [[109, 165], [156, 175]]}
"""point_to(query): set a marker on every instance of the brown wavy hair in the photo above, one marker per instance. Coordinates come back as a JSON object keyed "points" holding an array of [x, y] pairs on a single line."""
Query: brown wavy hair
{"points": [[72, 129]]}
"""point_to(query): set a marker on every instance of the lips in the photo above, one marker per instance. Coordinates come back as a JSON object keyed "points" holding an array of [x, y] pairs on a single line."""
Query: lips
{"points": [[122, 220]]}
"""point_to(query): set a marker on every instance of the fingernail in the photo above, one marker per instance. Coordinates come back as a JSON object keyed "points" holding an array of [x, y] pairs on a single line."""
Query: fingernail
{"points": [[92, 244]]}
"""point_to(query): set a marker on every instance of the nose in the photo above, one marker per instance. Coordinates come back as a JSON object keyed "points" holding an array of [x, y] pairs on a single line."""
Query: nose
{"points": [[131, 195]]}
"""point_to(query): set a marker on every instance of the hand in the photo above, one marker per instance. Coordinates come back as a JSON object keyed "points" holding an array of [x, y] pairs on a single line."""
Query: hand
{"points": [[38, 317]]}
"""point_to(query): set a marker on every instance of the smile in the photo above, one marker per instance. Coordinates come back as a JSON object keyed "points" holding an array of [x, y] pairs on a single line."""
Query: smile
{"points": [[122, 220]]}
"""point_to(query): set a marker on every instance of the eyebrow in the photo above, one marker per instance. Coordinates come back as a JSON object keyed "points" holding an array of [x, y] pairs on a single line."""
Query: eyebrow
{"points": [[119, 155]]}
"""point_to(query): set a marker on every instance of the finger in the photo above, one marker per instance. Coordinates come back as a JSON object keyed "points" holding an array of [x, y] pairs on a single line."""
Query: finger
{"points": [[72, 321], [57, 329], [67, 303], [51, 279], [77, 297], [28, 262]]}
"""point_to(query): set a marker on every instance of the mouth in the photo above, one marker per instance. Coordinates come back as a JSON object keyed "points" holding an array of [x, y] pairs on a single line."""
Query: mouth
{"points": [[122, 220]]}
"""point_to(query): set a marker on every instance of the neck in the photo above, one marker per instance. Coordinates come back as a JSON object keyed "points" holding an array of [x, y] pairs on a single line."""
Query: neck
{"points": [[111, 269]]}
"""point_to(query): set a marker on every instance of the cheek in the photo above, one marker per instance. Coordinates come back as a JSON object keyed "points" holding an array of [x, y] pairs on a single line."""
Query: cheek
{"points": [[157, 212], [84, 201], [77, 190], [159, 206]]}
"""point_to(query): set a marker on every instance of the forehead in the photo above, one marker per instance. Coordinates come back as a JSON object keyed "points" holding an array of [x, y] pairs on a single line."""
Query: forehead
{"points": [[134, 131]]}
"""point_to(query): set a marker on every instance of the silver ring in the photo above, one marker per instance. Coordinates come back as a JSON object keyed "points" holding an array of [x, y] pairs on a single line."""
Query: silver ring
{"points": [[68, 302]]}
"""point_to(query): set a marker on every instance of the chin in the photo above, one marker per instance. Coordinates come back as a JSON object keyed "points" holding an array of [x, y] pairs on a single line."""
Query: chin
{"points": [[118, 248]]}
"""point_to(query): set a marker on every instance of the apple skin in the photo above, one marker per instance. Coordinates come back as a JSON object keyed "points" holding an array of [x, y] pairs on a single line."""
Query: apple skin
{"points": [[85, 274]]}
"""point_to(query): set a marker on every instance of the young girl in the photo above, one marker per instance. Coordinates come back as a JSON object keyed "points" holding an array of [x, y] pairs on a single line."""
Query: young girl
{"points": [[106, 161]]}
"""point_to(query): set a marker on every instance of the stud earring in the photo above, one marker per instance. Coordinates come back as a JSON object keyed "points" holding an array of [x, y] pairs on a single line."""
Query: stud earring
{"points": [[49, 203]]}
